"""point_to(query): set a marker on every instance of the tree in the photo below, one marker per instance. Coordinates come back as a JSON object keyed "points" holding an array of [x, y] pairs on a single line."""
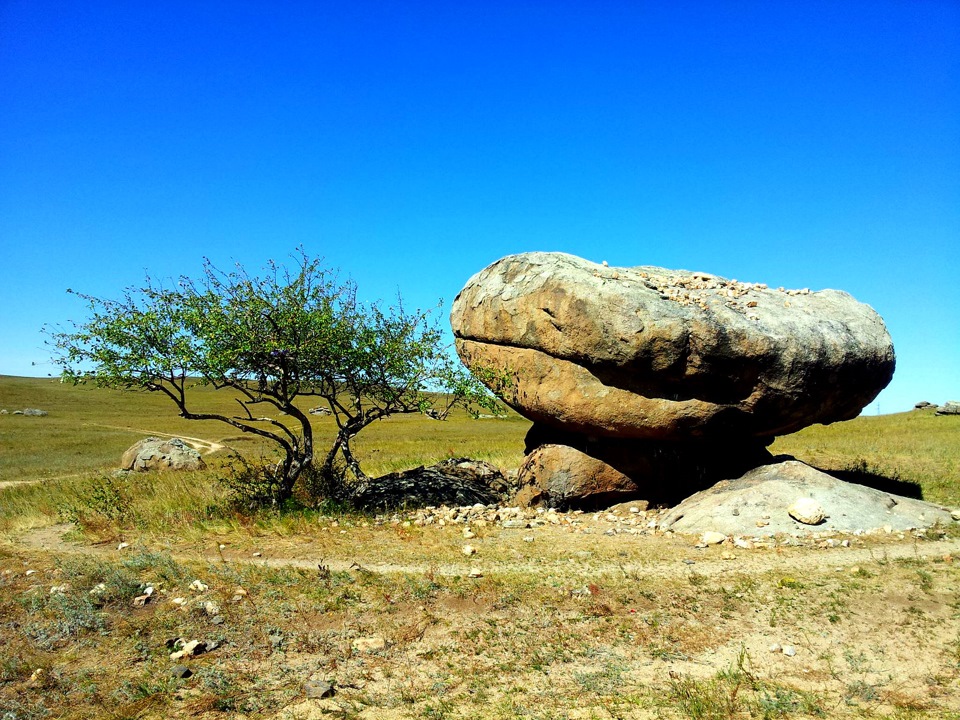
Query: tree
{"points": [[271, 340]]}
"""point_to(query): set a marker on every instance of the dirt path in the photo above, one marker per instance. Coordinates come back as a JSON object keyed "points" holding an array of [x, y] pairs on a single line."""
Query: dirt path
{"points": [[204, 447], [678, 560]]}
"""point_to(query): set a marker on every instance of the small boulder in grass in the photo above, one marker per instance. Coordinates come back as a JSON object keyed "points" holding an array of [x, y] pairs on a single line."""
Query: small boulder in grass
{"points": [[711, 537], [808, 511], [180, 671], [318, 688]]}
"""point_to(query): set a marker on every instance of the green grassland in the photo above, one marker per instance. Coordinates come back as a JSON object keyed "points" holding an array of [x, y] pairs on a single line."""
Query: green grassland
{"points": [[87, 429]]}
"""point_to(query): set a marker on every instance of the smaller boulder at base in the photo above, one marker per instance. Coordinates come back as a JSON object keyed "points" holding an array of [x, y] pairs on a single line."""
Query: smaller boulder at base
{"points": [[566, 477], [154, 453]]}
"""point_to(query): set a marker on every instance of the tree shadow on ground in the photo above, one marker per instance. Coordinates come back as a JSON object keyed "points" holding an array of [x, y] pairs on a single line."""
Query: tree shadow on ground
{"points": [[868, 478]]}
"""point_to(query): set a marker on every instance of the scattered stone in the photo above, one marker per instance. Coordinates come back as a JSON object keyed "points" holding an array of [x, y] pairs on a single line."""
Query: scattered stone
{"points": [[154, 453], [36, 678], [32, 412], [469, 550], [372, 644], [60, 589], [180, 671], [711, 537], [807, 511], [123, 546], [276, 640], [515, 524], [188, 649], [475, 573], [318, 689], [198, 586], [789, 650], [776, 647], [319, 411], [923, 404], [211, 608], [217, 620], [955, 514]]}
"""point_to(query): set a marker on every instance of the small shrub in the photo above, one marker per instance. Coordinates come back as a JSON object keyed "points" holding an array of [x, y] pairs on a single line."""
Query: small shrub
{"points": [[99, 501], [64, 617], [252, 486]]}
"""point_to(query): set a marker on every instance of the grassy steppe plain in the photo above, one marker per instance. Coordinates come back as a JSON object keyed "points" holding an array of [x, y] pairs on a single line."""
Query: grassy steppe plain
{"points": [[584, 616]]}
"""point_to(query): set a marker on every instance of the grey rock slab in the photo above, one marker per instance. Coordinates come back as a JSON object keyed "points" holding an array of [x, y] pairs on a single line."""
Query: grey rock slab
{"points": [[154, 453], [758, 502]]}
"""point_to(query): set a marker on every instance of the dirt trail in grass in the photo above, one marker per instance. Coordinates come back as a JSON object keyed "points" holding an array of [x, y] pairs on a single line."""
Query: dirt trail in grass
{"points": [[670, 558], [204, 447]]}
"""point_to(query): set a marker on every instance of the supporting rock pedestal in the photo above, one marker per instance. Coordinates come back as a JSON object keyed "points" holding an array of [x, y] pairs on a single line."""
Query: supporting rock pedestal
{"points": [[567, 470]]}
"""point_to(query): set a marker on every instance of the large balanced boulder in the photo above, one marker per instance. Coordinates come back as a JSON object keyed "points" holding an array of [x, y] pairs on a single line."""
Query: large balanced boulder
{"points": [[652, 353], [154, 453], [662, 375]]}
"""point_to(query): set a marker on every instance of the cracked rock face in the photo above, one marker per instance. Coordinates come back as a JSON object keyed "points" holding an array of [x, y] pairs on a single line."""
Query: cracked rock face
{"points": [[660, 354]]}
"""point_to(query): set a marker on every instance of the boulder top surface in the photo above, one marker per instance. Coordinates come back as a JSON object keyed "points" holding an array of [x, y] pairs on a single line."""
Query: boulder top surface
{"points": [[669, 354]]}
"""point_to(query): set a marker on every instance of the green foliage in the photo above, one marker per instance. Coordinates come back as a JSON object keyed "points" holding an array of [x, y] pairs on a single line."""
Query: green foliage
{"points": [[268, 341], [99, 500]]}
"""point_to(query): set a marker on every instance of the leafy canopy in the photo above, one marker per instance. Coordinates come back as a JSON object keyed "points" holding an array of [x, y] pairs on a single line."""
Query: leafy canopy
{"points": [[271, 339]]}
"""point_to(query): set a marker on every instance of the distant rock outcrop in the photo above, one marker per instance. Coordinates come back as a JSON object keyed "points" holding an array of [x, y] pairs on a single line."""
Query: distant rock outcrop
{"points": [[154, 453], [950, 407], [677, 370]]}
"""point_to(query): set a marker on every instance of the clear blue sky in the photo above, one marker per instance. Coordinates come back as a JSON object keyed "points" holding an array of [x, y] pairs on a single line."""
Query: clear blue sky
{"points": [[805, 144]]}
